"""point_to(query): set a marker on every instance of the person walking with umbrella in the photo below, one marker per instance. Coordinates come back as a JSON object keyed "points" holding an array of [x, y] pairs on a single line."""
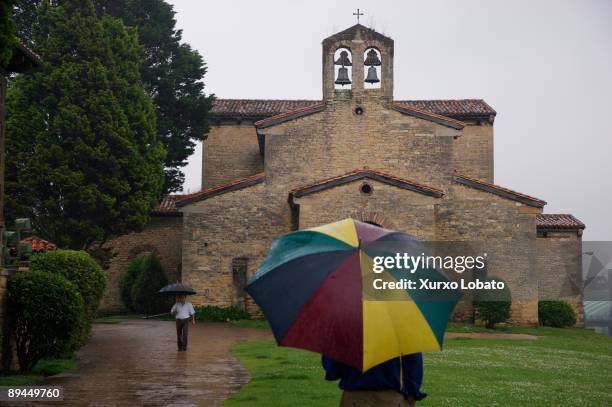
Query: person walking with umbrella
{"points": [[317, 290], [182, 310]]}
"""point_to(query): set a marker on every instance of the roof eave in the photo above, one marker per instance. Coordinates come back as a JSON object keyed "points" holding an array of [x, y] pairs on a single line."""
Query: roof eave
{"points": [[443, 120], [499, 191]]}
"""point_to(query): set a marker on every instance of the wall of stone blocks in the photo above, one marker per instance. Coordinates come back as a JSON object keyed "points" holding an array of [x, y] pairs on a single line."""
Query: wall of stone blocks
{"points": [[239, 224], [337, 141], [559, 266], [162, 235], [473, 151], [401, 209], [230, 152], [503, 229]]}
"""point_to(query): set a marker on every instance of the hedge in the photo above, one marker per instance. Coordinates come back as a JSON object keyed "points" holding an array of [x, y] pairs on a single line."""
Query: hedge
{"points": [[219, 314], [79, 268], [144, 297], [556, 313], [130, 274], [48, 314], [493, 306]]}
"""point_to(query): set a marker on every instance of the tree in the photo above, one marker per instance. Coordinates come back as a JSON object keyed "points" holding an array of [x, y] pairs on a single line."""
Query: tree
{"points": [[7, 32], [145, 297], [172, 73], [83, 160]]}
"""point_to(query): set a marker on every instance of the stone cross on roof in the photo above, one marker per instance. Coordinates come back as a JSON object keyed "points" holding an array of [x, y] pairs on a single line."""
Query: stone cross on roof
{"points": [[358, 14]]}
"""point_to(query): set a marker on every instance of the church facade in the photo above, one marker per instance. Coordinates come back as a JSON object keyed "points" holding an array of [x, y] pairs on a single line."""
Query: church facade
{"points": [[423, 167]]}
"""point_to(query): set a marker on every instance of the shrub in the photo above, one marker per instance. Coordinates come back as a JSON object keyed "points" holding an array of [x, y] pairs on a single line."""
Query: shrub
{"points": [[48, 313], [559, 314], [218, 314], [131, 273], [77, 267], [145, 297], [493, 306]]}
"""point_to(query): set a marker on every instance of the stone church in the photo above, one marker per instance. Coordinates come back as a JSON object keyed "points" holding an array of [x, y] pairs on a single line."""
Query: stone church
{"points": [[424, 167]]}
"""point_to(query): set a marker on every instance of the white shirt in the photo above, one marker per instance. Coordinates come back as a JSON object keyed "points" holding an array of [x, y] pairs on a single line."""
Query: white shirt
{"points": [[182, 310]]}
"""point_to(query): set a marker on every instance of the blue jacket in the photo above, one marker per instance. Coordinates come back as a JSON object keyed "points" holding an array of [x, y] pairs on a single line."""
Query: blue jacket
{"points": [[381, 377]]}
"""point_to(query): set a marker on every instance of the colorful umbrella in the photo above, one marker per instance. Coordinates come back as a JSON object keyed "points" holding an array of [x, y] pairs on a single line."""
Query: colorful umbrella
{"points": [[316, 288]]}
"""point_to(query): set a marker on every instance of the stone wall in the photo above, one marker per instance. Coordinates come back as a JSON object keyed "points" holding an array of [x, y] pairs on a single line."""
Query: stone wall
{"points": [[397, 208], [162, 235], [474, 151], [559, 266], [337, 141], [230, 152], [506, 231], [235, 225]]}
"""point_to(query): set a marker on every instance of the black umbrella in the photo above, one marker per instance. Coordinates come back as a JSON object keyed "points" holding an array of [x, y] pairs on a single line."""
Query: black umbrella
{"points": [[177, 289]]}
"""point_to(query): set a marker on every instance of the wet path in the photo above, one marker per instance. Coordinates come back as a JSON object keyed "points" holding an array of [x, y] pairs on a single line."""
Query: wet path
{"points": [[135, 363]]}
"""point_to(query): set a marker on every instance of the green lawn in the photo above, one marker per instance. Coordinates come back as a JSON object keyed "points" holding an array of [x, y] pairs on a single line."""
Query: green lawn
{"points": [[568, 367], [45, 367]]}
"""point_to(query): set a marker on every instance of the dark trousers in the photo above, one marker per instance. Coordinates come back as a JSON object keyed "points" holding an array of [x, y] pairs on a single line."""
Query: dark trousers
{"points": [[182, 330], [375, 398]]}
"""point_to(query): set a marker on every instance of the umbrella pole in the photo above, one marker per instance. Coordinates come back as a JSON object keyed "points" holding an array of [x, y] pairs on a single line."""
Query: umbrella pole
{"points": [[156, 315]]}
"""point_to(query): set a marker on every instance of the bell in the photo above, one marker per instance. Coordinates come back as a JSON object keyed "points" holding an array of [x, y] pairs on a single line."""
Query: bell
{"points": [[344, 59], [343, 78], [372, 76], [372, 59]]}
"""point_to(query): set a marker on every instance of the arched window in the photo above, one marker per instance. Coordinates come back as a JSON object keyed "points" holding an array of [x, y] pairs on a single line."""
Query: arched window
{"points": [[372, 72], [343, 68]]}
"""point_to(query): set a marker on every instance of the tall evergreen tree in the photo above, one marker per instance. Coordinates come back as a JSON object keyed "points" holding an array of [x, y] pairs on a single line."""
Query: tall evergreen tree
{"points": [[172, 73], [83, 159], [7, 32]]}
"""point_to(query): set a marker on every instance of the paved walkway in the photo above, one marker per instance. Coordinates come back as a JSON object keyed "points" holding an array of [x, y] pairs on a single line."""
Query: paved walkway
{"points": [[135, 363]]}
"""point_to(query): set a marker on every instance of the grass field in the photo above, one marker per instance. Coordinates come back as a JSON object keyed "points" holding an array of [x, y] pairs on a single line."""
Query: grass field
{"points": [[568, 367]]}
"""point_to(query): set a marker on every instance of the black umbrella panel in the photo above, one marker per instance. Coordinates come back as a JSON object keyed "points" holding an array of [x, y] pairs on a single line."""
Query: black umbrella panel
{"points": [[177, 289]]}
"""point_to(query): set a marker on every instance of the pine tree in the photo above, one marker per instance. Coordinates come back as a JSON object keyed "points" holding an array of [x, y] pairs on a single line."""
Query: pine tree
{"points": [[7, 32], [172, 73], [83, 159]]}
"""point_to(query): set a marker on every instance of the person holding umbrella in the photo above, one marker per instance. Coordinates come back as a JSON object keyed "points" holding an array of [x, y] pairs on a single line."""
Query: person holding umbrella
{"points": [[182, 310], [316, 289]]}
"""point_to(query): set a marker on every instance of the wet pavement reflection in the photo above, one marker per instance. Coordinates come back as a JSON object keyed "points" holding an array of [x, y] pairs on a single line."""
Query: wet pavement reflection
{"points": [[135, 362]]}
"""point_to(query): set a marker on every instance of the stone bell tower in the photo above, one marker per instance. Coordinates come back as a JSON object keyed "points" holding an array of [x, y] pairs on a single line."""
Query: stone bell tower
{"points": [[357, 63]]}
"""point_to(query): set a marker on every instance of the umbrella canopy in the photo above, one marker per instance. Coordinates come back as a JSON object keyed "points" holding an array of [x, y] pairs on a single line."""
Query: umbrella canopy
{"points": [[177, 289], [315, 288]]}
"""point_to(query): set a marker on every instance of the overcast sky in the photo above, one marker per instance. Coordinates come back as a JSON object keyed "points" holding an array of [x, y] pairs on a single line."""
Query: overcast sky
{"points": [[545, 66]]}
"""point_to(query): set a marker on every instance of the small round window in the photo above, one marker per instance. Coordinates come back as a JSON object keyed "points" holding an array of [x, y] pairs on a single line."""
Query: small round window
{"points": [[366, 188]]}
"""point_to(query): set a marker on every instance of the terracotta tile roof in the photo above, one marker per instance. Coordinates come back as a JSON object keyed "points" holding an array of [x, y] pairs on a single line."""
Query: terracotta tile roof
{"points": [[424, 114], [361, 174], [38, 244], [257, 109], [293, 114], [23, 59], [220, 189], [454, 108], [498, 190], [558, 221], [170, 203]]}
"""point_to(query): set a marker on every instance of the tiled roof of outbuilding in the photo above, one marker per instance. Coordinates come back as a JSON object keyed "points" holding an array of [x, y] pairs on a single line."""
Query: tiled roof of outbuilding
{"points": [[170, 203], [558, 221]]}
